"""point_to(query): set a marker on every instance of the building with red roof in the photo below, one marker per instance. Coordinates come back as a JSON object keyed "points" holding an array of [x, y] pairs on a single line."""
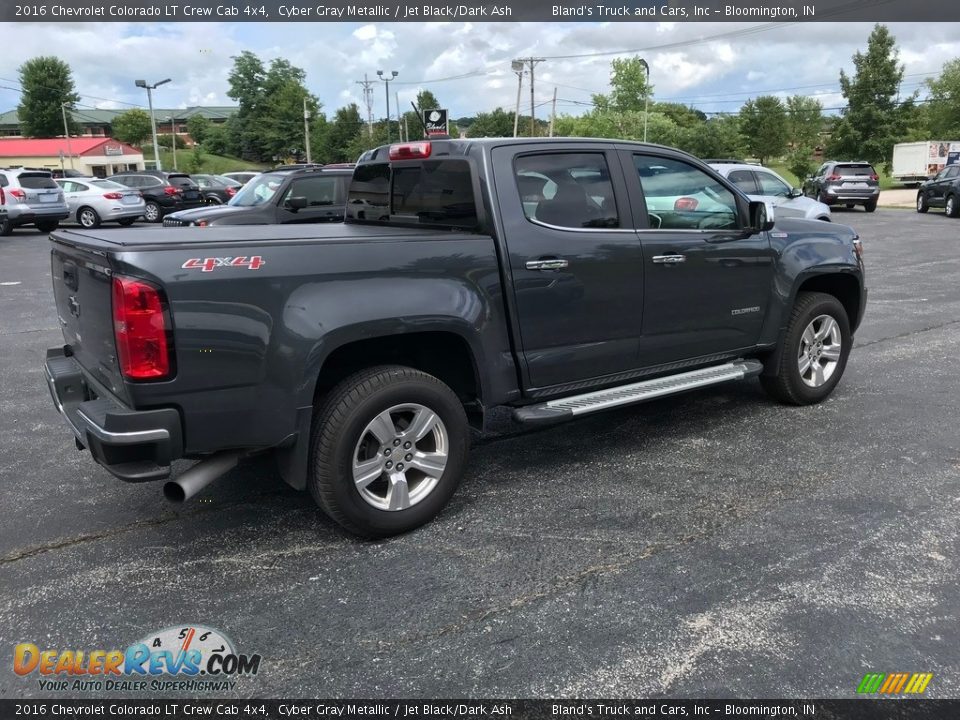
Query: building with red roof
{"points": [[96, 156]]}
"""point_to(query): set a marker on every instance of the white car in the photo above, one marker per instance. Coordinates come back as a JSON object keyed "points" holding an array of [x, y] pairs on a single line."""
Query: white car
{"points": [[761, 183], [93, 201]]}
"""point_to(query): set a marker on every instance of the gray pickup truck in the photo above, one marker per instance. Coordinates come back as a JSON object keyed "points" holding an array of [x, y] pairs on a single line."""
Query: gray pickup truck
{"points": [[558, 277]]}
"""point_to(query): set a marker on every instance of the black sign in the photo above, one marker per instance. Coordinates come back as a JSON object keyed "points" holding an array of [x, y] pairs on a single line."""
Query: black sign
{"points": [[435, 122]]}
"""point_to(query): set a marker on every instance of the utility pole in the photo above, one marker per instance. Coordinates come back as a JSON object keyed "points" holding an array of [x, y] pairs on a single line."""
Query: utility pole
{"points": [[517, 67], [403, 136], [173, 140], [532, 62], [386, 82], [646, 98], [66, 133], [306, 128], [368, 100], [553, 111]]}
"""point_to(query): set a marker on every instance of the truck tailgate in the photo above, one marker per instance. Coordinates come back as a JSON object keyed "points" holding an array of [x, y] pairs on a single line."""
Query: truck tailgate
{"points": [[83, 289]]}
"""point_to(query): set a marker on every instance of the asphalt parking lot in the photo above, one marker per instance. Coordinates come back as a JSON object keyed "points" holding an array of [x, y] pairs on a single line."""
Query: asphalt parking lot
{"points": [[710, 545]]}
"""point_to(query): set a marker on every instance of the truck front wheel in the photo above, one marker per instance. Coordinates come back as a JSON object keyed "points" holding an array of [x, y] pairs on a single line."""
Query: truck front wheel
{"points": [[388, 449], [814, 353]]}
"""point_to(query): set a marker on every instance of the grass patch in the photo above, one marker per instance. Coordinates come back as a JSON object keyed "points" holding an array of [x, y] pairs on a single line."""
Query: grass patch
{"points": [[212, 164]]}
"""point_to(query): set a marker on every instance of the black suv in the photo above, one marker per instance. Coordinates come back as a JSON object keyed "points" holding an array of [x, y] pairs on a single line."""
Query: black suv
{"points": [[942, 191], [277, 196], [163, 192], [845, 183]]}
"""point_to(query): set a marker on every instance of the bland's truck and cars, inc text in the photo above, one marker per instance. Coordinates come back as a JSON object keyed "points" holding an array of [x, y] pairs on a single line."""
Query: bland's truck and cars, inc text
{"points": [[557, 277]]}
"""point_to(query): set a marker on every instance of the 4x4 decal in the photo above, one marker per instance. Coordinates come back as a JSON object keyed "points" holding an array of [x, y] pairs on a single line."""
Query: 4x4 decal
{"points": [[254, 262]]}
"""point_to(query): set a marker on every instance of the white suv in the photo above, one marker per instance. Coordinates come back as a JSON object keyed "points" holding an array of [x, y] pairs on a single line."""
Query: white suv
{"points": [[30, 197]]}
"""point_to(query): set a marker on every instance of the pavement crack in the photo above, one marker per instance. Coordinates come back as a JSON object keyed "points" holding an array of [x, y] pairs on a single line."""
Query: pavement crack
{"points": [[907, 334], [61, 544]]}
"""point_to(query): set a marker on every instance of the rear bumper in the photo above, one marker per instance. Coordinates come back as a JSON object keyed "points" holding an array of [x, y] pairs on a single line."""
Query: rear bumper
{"points": [[134, 445], [28, 216], [839, 194]]}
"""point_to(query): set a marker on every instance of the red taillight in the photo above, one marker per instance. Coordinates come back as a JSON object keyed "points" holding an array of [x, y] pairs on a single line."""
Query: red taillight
{"points": [[113, 196], [171, 190], [140, 330], [18, 194], [201, 223], [874, 177], [410, 151], [231, 191], [685, 204], [3, 197], [832, 178]]}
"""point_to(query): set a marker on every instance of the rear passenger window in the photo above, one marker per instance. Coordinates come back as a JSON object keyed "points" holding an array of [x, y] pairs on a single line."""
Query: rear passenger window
{"points": [[438, 192], [743, 179], [570, 190], [317, 190], [683, 197]]}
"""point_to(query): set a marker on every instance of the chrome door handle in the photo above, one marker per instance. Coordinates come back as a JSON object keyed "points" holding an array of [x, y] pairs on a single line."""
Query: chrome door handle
{"points": [[669, 259], [550, 264]]}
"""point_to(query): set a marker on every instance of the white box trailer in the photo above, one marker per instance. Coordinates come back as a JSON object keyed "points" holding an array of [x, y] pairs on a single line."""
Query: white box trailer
{"points": [[914, 162]]}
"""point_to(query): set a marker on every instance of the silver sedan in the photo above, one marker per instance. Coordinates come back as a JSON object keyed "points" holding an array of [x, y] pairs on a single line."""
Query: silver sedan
{"points": [[93, 201], [762, 183]]}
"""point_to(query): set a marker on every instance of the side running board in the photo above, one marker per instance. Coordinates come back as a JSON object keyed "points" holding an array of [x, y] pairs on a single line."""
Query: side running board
{"points": [[569, 407]]}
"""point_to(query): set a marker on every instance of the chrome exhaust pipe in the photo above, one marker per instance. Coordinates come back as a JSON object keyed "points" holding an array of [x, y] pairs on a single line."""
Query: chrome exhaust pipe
{"points": [[200, 475]]}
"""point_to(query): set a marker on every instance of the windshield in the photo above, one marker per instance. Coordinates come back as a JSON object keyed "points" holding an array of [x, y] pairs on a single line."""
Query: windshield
{"points": [[258, 191]]}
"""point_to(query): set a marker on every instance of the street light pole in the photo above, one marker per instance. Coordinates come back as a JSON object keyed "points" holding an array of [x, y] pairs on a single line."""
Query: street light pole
{"points": [[386, 81], [173, 140], [153, 121], [517, 67], [646, 98], [66, 132]]}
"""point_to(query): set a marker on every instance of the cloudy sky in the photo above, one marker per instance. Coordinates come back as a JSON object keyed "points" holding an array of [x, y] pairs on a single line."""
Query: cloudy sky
{"points": [[689, 63]]}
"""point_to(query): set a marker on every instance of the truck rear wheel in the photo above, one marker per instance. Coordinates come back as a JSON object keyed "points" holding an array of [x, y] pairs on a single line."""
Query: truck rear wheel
{"points": [[388, 449], [814, 353]]}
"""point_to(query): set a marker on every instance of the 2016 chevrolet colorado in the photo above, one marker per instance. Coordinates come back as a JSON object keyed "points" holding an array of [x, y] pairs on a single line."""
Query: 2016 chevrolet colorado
{"points": [[559, 277]]}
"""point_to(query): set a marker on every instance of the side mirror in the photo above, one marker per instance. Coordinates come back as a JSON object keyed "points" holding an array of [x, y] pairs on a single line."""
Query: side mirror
{"points": [[761, 216], [295, 203], [795, 193]]}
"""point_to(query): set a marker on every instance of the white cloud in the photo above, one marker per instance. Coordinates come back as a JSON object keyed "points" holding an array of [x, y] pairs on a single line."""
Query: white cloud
{"points": [[715, 75]]}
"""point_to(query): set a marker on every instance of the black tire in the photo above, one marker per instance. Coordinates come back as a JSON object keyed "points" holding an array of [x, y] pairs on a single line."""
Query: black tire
{"points": [[153, 213], [6, 227], [126, 222], [870, 206], [922, 204], [951, 206], [340, 425], [48, 226], [784, 382], [213, 200], [88, 218]]}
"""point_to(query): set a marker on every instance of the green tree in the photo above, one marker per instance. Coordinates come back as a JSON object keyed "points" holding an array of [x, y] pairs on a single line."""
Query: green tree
{"points": [[874, 120], [497, 123], [217, 141], [47, 84], [132, 126], [804, 121], [344, 133], [718, 137], [800, 162], [197, 128], [269, 120], [195, 159], [943, 108], [629, 89], [763, 124]]}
